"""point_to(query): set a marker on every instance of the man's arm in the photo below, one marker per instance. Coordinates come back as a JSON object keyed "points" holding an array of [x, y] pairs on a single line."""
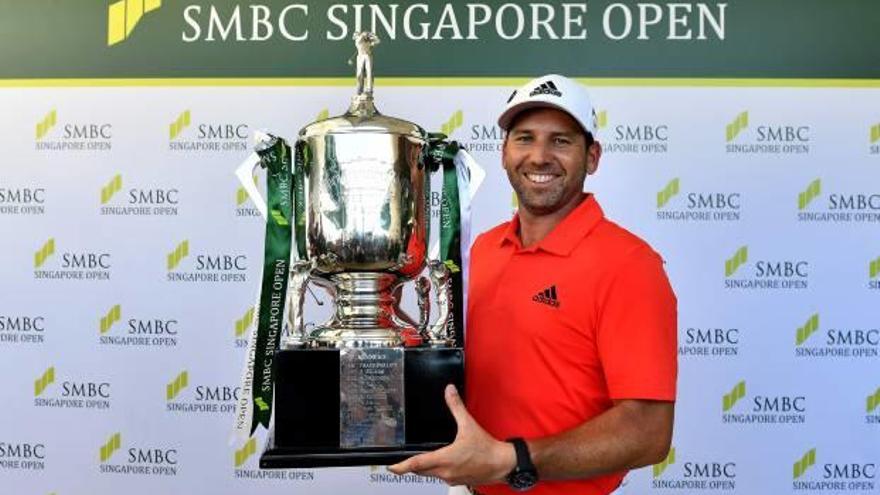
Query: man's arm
{"points": [[633, 433]]}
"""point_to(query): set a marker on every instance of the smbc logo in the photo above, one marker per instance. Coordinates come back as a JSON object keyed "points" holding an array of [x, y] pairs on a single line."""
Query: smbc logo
{"points": [[241, 195], [180, 123], [108, 320], [110, 447], [124, 15], [46, 379], [111, 188], [809, 194], [177, 254], [453, 123], [174, 387], [667, 193], [244, 453], [661, 466], [730, 399], [809, 328], [46, 124], [242, 324], [874, 268], [737, 126], [739, 258], [42, 254], [873, 401], [601, 119], [805, 462]]}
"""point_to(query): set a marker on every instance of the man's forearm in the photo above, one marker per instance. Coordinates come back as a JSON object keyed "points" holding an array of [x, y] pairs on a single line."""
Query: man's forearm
{"points": [[629, 435]]}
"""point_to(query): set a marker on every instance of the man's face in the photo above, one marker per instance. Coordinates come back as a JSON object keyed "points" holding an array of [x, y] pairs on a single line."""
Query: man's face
{"points": [[546, 160]]}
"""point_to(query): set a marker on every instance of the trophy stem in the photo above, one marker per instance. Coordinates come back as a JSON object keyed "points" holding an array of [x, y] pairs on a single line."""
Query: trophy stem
{"points": [[365, 315]]}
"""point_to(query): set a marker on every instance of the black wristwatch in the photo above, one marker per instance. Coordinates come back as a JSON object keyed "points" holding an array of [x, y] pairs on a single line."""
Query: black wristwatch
{"points": [[524, 475]]}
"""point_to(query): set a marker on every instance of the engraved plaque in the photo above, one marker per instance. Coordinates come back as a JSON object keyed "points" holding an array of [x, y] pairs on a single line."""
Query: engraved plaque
{"points": [[371, 407]]}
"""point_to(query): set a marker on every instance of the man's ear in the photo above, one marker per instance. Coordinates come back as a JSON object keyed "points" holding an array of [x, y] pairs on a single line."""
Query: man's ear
{"points": [[594, 153]]}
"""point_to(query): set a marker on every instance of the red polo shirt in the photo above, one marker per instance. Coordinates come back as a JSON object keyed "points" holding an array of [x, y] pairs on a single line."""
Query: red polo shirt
{"points": [[558, 330]]}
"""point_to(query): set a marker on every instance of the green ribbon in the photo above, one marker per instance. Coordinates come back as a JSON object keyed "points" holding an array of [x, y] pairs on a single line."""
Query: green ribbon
{"points": [[275, 157], [441, 155]]}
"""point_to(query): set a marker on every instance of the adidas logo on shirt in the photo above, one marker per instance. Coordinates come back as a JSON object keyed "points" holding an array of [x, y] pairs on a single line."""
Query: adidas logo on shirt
{"points": [[547, 296], [546, 88]]}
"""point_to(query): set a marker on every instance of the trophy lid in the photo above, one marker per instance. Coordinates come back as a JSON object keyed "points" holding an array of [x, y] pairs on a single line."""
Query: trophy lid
{"points": [[362, 115]]}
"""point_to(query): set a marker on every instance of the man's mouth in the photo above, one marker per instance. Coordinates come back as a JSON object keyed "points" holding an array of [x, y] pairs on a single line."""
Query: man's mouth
{"points": [[540, 178]]}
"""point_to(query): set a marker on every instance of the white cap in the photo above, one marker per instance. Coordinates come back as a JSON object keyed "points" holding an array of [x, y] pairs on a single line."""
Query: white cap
{"points": [[552, 91]]}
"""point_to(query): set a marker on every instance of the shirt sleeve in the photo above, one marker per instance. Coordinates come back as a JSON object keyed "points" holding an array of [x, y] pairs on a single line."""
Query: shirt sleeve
{"points": [[637, 331]]}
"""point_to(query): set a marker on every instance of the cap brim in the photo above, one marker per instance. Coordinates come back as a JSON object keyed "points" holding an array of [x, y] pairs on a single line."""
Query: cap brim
{"points": [[507, 117]]}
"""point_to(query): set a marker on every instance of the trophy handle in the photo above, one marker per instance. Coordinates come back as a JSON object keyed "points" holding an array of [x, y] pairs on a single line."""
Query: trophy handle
{"points": [[440, 279], [296, 294]]}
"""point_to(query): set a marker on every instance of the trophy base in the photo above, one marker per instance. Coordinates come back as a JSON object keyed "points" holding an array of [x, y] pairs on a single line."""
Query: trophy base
{"points": [[306, 431]]}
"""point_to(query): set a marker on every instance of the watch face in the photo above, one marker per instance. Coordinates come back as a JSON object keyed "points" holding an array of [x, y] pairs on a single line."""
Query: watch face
{"points": [[522, 480]]}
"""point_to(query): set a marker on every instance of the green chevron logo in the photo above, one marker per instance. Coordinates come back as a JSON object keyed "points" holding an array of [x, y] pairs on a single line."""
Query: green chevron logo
{"points": [[730, 399], [175, 386], [241, 194], [179, 124], [112, 445], [261, 404], [42, 254], [738, 125], [109, 319], [123, 16], [732, 264], [809, 194], [874, 268], [244, 323], [46, 379], [451, 266], [809, 328], [660, 467], [801, 466], [667, 193], [175, 256], [453, 123], [279, 218], [323, 115], [45, 125], [873, 401], [602, 119], [875, 133], [112, 187], [242, 454]]}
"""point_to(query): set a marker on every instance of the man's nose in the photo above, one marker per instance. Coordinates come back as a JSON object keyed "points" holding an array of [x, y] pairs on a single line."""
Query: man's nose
{"points": [[541, 153]]}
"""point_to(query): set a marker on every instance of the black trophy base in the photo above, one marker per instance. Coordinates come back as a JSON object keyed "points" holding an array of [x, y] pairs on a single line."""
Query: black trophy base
{"points": [[307, 409]]}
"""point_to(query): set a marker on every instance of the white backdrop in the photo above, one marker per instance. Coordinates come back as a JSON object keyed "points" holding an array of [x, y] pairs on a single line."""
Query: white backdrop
{"points": [[161, 370]]}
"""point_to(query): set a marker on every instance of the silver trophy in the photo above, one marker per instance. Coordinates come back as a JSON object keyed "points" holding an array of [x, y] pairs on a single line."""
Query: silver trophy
{"points": [[366, 216], [365, 387]]}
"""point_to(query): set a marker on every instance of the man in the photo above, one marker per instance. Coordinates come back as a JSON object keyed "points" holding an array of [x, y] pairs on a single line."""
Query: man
{"points": [[571, 336]]}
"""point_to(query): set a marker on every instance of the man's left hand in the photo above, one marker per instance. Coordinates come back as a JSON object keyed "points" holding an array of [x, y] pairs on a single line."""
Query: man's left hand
{"points": [[474, 458]]}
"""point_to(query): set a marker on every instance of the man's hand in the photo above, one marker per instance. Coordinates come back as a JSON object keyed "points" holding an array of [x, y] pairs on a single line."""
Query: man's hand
{"points": [[474, 458]]}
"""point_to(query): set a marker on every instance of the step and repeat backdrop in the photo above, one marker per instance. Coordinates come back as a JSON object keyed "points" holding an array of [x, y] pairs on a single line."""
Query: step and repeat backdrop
{"points": [[131, 255]]}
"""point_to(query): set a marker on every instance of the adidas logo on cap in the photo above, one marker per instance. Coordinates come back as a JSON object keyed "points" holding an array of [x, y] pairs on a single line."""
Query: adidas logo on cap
{"points": [[546, 88], [547, 296], [553, 91]]}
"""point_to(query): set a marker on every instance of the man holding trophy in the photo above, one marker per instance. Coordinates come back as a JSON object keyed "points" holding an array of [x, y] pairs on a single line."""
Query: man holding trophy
{"points": [[571, 339]]}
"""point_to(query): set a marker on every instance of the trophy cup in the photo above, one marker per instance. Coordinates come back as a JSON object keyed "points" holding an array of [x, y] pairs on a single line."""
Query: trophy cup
{"points": [[366, 387]]}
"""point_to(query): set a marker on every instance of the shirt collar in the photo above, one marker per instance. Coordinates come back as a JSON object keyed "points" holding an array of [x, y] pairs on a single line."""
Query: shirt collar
{"points": [[566, 235]]}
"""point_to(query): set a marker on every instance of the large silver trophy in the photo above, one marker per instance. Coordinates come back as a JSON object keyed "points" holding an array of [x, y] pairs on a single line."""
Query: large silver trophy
{"points": [[366, 387]]}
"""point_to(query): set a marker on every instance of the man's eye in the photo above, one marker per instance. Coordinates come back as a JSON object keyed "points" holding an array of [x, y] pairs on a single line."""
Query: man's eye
{"points": [[523, 138], [562, 141]]}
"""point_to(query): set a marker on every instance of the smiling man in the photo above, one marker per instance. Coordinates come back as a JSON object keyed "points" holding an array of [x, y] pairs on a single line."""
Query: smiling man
{"points": [[571, 336]]}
